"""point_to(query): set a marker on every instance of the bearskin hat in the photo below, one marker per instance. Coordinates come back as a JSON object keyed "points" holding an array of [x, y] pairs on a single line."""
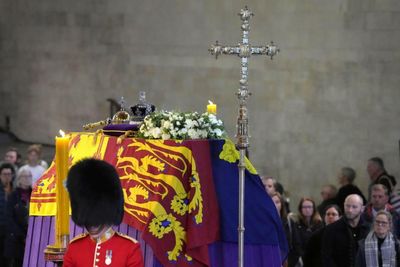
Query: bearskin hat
{"points": [[96, 193]]}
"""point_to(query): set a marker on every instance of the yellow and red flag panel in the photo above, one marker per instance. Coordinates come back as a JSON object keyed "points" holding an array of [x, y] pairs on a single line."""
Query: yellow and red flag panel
{"points": [[168, 190]]}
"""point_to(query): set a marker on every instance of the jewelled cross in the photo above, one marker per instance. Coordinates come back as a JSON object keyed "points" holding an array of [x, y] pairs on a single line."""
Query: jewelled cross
{"points": [[244, 50]]}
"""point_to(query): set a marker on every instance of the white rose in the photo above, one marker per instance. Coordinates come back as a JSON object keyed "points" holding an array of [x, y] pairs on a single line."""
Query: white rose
{"points": [[189, 123], [193, 134], [165, 136], [166, 124], [203, 134], [156, 132]]}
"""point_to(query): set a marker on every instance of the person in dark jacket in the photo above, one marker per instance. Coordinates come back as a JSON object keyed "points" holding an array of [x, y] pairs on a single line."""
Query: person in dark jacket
{"points": [[346, 179], [17, 214], [312, 255], [328, 195], [380, 248], [340, 240], [378, 175], [302, 227], [6, 180]]}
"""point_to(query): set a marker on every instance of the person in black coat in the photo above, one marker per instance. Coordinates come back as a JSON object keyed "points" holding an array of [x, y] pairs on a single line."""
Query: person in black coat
{"points": [[17, 214], [378, 175], [6, 180], [340, 240], [328, 194], [346, 179], [312, 255], [302, 227]]}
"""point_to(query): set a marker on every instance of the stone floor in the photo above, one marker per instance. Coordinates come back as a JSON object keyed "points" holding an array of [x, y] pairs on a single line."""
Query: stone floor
{"points": [[9, 140]]}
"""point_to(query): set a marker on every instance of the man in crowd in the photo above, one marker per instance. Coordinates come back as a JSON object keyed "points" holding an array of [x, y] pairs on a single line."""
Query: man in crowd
{"points": [[12, 156], [346, 179], [340, 240], [378, 175], [269, 184], [380, 201], [328, 194]]}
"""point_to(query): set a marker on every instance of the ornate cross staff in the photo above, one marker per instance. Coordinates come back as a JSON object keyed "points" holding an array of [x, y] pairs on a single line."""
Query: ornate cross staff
{"points": [[244, 50]]}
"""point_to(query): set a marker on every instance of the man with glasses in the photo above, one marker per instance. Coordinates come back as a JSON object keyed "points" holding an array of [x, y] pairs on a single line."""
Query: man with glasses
{"points": [[340, 240], [6, 178]]}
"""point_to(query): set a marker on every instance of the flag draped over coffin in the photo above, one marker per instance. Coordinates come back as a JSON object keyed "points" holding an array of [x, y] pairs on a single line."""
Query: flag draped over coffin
{"points": [[169, 193]]}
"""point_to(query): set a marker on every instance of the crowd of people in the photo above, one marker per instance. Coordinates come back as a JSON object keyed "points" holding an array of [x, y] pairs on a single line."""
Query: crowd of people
{"points": [[346, 229], [17, 178]]}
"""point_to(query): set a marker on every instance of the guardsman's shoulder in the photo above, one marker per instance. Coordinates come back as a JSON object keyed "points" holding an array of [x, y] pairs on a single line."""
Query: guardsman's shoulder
{"points": [[126, 237], [78, 237]]}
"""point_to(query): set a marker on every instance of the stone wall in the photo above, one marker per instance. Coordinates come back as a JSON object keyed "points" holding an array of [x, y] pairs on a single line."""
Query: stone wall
{"points": [[329, 99]]}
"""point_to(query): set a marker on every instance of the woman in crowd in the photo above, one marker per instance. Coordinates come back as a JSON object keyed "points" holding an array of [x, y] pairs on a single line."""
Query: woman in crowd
{"points": [[380, 248], [312, 254], [278, 201], [281, 208], [302, 227], [17, 213]]}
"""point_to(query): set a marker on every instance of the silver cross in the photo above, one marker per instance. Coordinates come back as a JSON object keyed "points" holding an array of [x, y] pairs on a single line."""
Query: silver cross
{"points": [[244, 50]]}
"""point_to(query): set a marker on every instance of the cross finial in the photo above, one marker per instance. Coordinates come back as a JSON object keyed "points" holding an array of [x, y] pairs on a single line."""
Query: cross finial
{"points": [[245, 13], [122, 103]]}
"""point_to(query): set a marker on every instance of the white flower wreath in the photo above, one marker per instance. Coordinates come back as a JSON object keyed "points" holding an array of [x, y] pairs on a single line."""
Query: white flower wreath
{"points": [[181, 125]]}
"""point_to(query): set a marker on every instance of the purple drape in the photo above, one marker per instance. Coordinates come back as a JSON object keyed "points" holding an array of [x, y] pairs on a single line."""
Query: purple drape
{"points": [[41, 233]]}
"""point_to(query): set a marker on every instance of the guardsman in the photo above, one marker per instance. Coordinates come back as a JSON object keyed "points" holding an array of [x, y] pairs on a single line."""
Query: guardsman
{"points": [[97, 204]]}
